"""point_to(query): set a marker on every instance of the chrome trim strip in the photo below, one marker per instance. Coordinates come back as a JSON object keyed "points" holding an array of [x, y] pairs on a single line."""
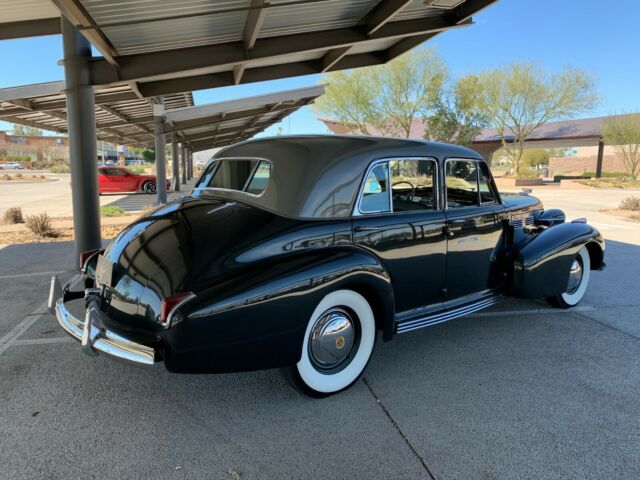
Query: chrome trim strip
{"points": [[103, 341], [410, 325]]}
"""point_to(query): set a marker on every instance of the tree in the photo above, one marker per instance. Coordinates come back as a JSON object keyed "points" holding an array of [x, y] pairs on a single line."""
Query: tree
{"points": [[623, 133], [459, 113], [522, 97], [149, 154], [23, 130], [385, 99]]}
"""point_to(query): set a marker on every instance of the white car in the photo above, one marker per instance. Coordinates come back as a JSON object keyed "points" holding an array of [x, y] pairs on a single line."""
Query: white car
{"points": [[12, 166]]}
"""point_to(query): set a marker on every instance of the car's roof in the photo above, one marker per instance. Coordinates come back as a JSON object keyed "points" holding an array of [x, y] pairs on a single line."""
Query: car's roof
{"points": [[318, 176]]}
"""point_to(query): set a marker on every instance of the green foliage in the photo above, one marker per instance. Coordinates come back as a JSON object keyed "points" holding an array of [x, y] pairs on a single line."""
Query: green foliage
{"points": [[15, 158], [385, 98], [522, 97], [459, 115], [112, 211], [137, 169], [606, 174], [24, 130], [13, 215], [623, 132], [61, 168], [149, 155]]}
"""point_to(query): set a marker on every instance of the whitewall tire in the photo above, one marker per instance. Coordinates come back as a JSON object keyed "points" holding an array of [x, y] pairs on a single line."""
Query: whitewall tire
{"points": [[337, 345], [579, 274]]}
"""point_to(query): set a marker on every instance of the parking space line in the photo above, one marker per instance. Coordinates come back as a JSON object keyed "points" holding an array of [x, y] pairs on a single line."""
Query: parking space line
{"points": [[533, 311], [19, 329], [34, 274], [41, 341]]}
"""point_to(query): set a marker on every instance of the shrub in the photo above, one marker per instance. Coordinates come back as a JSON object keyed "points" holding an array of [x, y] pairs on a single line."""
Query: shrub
{"points": [[112, 211], [40, 224], [62, 168], [137, 169], [6, 177], [13, 215], [630, 203], [18, 175]]}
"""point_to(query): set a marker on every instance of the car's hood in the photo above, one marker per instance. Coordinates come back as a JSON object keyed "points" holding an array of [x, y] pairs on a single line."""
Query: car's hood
{"points": [[515, 201]]}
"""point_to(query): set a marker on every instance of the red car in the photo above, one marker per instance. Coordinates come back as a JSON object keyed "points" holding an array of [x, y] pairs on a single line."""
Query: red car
{"points": [[119, 179]]}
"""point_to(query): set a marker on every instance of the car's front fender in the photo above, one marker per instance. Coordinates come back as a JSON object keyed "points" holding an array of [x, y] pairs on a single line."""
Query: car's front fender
{"points": [[257, 320], [542, 262]]}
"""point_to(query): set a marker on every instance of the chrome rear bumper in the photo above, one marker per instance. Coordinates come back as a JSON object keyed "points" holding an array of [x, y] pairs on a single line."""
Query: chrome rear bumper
{"points": [[89, 332]]}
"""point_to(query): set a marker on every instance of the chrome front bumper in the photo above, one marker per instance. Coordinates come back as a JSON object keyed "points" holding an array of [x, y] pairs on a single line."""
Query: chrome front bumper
{"points": [[94, 338]]}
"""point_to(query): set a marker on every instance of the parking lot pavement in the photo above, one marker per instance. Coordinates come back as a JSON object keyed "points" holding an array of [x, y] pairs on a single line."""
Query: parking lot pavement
{"points": [[517, 391]]}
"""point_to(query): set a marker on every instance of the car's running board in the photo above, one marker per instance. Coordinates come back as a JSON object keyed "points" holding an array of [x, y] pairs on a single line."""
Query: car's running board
{"points": [[445, 316]]}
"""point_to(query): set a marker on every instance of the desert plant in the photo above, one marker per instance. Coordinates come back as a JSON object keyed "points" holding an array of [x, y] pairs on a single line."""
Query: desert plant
{"points": [[40, 224], [18, 175], [6, 177], [62, 168], [112, 211], [630, 203], [13, 215]]}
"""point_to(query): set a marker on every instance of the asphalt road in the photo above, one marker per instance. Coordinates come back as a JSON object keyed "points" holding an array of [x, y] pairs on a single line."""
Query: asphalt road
{"points": [[517, 391]]}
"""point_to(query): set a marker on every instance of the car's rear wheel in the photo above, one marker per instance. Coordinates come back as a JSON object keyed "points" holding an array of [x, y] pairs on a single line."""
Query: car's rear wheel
{"points": [[578, 281], [149, 187], [337, 345]]}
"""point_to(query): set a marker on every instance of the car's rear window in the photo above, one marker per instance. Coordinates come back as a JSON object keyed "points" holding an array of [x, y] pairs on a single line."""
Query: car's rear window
{"points": [[250, 176]]}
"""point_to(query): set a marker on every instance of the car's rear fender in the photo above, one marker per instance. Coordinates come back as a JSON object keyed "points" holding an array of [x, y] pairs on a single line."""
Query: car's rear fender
{"points": [[543, 260], [257, 320]]}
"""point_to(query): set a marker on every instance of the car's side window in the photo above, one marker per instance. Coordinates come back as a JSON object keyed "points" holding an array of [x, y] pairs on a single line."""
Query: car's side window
{"points": [[260, 178], [486, 190], [412, 183], [462, 183], [375, 193]]}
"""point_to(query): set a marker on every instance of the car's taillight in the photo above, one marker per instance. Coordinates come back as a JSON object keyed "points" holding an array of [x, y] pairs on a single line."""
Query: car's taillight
{"points": [[169, 306], [84, 256]]}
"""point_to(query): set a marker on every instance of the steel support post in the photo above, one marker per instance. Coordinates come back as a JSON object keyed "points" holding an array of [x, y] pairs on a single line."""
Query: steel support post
{"points": [[184, 164], [83, 148], [175, 163], [600, 158], [161, 163]]}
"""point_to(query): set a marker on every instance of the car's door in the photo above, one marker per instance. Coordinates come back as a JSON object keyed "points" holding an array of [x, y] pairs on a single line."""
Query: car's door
{"points": [[105, 180], [399, 219], [121, 180], [474, 228]]}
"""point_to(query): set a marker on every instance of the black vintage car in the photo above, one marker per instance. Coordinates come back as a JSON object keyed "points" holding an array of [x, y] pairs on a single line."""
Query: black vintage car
{"points": [[293, 252]]}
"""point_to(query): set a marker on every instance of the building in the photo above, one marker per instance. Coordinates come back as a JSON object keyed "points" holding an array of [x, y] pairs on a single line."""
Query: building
{"points": [[581, 139], [36, 147]]}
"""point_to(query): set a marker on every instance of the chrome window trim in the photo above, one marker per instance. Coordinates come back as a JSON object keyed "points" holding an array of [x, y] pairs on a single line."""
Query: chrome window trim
{"points": [[357, 212], [479, 162], [257, 159]]}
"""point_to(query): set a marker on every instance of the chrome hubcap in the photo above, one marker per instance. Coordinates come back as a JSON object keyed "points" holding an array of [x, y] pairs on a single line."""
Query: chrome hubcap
{"points": [[575, 276], [332, 338]]}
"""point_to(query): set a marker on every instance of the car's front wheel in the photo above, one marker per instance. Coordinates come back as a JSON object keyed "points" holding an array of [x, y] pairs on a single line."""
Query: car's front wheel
{"points": [[337, 345], [149, 187], [579, 273]]}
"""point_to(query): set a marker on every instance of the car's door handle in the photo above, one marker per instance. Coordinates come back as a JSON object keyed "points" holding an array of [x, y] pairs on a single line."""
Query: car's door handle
{"points": [[366, 229], [460, 221], [447, 232]]}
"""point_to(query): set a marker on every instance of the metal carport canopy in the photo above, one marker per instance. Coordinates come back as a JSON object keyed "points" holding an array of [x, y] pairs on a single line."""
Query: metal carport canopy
{"points": [[122, 115], [219, 124], [168, 47]]}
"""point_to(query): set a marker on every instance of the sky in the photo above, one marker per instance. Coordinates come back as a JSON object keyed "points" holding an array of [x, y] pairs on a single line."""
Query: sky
{"points": [[554, 33]]}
